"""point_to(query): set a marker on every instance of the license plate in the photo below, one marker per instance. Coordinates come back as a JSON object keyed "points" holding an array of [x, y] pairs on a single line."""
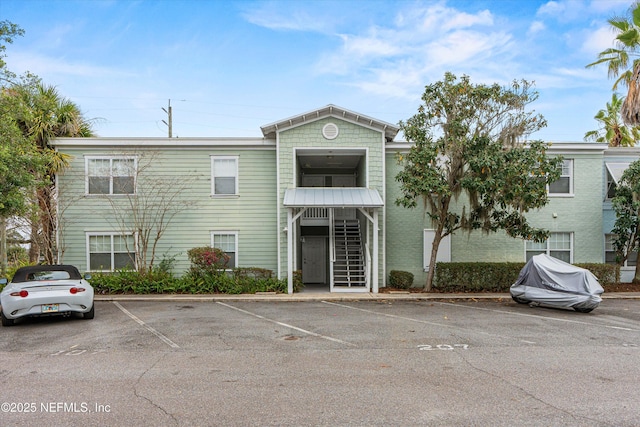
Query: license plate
{"points": [[49, 308]]}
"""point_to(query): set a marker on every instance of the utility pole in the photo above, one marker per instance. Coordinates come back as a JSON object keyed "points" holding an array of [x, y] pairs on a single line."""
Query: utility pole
{"points": [[169, 122]]}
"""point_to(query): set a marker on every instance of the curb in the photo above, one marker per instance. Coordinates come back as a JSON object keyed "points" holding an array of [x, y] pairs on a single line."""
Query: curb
{"points": [[327, 296]]}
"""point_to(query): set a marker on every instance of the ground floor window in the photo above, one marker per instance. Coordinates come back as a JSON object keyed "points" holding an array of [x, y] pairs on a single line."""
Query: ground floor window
{"points": [[610, 252], [110, 251], [558, 245], [228, 242]]}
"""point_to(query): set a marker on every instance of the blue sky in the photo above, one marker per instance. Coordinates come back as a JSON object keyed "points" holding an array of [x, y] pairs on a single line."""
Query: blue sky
{"points": [[230, 67]]}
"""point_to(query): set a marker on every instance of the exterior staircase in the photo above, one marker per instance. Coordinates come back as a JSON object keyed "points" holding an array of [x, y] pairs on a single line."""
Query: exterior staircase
{"points": [[349, 269]]}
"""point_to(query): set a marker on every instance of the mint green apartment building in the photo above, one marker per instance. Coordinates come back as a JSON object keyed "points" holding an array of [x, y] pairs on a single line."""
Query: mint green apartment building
{"points": [[316, 193]]}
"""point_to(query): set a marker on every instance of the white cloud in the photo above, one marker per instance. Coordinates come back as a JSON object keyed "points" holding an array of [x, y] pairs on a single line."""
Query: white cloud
{"points": [[598, 40], [371, 46], [271, 15], [552, 8], [536, 27], [463, 46], [46, 66], [466, 20], [614, 6]]}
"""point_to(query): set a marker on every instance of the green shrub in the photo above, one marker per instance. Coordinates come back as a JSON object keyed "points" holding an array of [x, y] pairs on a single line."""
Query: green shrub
{"points": [[400, 279], [248, 281], [254, 272], [208, 260], [476, 276], [132, 282], [498, 277], [606, 273]]}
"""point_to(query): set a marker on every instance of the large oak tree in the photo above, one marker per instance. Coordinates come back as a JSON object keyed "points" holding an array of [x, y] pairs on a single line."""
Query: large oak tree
{"points": [[468, 165]]}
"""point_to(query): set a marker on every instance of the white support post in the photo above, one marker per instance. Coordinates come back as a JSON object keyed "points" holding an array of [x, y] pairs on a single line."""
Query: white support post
{"points": [[289, 251], [375, 256]]}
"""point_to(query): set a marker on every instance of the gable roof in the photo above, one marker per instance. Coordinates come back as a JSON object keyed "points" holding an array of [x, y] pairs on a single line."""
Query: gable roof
{"points": [[390, 131]]}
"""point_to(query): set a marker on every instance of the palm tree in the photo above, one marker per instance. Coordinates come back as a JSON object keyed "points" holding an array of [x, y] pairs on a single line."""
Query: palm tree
{"points": [[49, 116], [612, 129], [627, 41]]}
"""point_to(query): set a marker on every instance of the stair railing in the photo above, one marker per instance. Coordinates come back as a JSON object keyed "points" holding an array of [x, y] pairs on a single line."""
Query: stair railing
{"points": [[367, 264]]}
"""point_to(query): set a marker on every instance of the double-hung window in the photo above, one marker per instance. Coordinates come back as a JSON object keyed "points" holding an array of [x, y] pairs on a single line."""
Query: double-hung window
{"points": [[610, 256], [224, 175], [612, 186], [110, 251], [226, 241], [111, 175], [558, 245], [564, 184]]}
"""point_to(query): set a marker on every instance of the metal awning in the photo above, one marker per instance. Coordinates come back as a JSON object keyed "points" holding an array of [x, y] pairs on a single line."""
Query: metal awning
{"points": [[616, 170], [332, 197]]}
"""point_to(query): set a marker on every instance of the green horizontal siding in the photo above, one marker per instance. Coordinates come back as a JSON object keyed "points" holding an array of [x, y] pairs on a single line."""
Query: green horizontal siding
{"points": [[350, 136], [252, 214], [580, 214], [403, 228]]}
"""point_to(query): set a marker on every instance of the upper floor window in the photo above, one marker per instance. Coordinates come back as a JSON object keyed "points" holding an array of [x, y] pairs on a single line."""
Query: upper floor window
{"points": [[228, 242], [614, 171], [558, 245], [224, 175], [111, 175], [611, 186], [610, 256], [110, 251], [564, 184]]}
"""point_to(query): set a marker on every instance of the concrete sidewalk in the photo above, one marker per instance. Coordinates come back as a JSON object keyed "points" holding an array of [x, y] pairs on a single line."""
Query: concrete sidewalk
{"points": [[333, 296]]}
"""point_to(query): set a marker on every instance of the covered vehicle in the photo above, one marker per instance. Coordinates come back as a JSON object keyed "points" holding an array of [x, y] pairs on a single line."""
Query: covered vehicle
{"points": [[46, 290], [550, 281]]}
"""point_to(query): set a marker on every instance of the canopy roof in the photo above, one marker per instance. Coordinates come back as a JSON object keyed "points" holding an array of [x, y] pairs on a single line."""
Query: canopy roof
{"points": [[616, 170], [332, 197]]}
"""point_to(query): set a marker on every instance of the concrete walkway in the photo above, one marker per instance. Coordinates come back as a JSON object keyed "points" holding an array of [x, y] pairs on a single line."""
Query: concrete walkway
{"points": [[335, 296]]}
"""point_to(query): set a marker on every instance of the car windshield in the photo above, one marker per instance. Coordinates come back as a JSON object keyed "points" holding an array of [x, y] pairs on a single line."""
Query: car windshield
{"points": [[48, 275]]}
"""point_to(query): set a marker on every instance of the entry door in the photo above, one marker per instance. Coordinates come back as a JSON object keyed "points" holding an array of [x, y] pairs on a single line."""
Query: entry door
{"points": [[314, 259]]}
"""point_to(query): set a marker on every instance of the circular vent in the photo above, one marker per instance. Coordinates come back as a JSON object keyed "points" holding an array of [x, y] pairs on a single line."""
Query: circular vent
{"points": [[330, 131]]}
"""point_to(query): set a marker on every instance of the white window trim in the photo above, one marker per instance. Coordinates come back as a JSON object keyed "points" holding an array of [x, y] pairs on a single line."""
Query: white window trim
{"points": [[570, 193], [227, 232], [548, 251], [624, 265], [213, 179], [609, 183], [110, 158], [90, 234]]}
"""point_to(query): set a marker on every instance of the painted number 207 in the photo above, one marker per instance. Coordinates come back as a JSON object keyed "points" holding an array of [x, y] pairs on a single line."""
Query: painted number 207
{"points": [[444, 347]]}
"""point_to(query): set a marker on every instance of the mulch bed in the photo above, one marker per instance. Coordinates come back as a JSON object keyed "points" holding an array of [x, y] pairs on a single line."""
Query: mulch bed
{"points": [[615, 287]]}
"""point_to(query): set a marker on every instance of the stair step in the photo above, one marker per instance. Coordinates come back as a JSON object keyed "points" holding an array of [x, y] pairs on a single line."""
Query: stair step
{"points": [[349, 267]]}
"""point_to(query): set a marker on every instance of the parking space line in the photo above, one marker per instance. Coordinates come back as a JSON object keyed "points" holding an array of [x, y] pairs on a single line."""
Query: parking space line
{"points": [[579, 322], [444, 325], [147, 327], [286, 325]]}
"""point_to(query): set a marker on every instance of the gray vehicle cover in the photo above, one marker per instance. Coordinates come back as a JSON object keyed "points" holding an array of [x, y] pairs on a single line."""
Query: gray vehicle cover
{"points": [[549, 281]]}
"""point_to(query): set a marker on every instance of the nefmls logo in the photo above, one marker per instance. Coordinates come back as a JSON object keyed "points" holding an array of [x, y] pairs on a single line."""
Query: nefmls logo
{"points": [[74, 407]]}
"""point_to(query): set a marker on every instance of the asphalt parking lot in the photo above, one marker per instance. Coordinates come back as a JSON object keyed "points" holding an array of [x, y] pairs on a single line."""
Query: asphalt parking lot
{"points": [[360, 363]]}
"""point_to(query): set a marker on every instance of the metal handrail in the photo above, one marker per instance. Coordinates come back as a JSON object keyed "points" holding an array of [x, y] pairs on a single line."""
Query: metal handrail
{"points": [[367, 263]]}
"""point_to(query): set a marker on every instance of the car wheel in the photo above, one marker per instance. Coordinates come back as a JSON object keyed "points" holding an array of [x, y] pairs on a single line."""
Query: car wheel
{"points": [[520, 300], [582, 309], [5, 321], [91, 313]]}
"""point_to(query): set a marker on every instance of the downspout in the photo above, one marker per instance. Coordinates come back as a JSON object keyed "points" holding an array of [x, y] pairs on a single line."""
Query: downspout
{"points": [[278, 190]]}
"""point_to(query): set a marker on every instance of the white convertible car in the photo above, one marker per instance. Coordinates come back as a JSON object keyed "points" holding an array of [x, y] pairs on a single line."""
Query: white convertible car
{"points": [[46, 290]]}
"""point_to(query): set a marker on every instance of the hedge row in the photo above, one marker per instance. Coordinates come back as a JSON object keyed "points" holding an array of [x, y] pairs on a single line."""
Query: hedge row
{"points": [[498, 277], [237, 281]]}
